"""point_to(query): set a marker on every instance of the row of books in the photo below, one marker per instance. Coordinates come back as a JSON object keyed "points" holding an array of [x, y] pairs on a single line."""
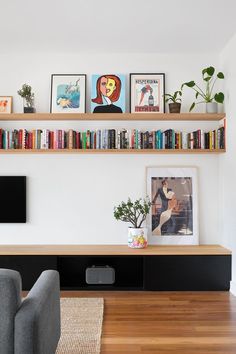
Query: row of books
{"points": [[111, 139]]}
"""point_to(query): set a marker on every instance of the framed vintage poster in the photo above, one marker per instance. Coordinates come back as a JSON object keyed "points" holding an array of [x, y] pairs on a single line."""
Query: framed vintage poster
{"points": [[108, 93], [5, 104], [174, 213], [68, 93], [147, 93]]}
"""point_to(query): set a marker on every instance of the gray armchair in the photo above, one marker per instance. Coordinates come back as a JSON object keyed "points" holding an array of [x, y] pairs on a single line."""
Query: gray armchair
{"points": [[31, 326]]}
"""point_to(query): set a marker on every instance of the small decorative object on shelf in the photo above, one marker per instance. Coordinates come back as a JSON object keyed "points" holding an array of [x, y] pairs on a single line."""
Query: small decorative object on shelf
{"points": [[147, 93], [175, 105], [208, 97], [6, 104], [28, 98], [135, 213]]}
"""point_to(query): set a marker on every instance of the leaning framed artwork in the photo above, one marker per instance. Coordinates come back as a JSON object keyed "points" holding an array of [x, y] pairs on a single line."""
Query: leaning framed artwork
{"points": [[5, 104], [108, 93], [68, 93], [174, 213], [147, 93]]}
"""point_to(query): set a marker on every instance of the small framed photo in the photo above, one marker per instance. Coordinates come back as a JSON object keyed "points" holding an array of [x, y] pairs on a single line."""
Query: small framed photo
{"points": [[108, 93], [147, 93], [174, 214], [5, 104], [68, 93]]}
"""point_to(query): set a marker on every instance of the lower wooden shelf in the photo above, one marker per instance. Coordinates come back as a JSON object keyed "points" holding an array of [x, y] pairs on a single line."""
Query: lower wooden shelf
{"points": [[112, 151]]}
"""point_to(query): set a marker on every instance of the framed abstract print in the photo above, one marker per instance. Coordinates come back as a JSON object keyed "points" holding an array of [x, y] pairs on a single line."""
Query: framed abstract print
{"points": [[174, 213], [68, 93], [147, 93], [108, 93], [6, 104]]}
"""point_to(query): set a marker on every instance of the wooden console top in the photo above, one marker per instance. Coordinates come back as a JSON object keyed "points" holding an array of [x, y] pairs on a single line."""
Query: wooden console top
{"points": [[111, 250]]}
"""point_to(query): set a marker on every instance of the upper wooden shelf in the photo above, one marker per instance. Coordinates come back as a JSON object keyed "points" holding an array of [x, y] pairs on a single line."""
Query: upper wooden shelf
{"points": [[111, 117], [111, 250]]}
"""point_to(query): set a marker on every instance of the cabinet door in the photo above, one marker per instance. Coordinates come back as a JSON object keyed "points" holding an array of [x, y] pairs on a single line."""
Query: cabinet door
{"points": [[30, 267], [187, 272]]}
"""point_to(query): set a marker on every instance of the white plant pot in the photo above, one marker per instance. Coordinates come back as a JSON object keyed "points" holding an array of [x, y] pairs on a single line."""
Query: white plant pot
{"points": [[211, 107], [137, 238]]}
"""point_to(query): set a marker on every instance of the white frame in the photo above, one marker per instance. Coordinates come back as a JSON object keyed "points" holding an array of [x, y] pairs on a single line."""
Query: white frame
{"points": [[65, 79], [9, 105], [174, 171]]}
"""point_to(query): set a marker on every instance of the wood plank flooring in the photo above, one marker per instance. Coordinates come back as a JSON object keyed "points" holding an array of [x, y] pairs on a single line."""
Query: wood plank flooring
{"points": [[167, 322]]}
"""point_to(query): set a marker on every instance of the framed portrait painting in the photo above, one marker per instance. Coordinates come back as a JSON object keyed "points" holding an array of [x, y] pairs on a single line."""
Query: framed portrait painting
{"points": [[6, 104], [68, 93], [147, 93], [173, 218], [108, 93]]}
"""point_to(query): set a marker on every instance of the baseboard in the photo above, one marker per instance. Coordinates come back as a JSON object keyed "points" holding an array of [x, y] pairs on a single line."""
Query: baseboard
{"points": [[233, 287]]}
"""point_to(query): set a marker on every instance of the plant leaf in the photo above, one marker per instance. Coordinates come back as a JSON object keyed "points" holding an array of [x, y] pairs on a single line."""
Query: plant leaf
{"points": [[204, 71], [219, 97], [220, 75], [192, 107], [189, 84], [197, 94], [210, 71], [208, 78]]}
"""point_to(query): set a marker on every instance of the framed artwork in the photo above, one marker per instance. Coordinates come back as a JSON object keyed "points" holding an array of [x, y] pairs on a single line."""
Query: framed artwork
{"points": [[147, 93], [5, 104], [108, 94], [173, 218], [68, 93]]}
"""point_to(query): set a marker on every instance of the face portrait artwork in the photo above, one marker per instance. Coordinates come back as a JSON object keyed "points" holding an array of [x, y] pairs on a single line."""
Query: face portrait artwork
{"points": [[172, 210], [108, 94]]}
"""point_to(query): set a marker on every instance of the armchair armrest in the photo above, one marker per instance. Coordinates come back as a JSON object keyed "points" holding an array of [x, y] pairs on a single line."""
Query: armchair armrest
{"points": [[37, 322]]}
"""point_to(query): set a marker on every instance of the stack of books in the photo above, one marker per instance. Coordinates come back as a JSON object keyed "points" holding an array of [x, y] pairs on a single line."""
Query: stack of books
{"points": [[111, 139]]}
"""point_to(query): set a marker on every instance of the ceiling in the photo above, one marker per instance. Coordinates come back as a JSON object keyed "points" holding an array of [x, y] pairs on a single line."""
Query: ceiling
{"points": [[134, 26]]}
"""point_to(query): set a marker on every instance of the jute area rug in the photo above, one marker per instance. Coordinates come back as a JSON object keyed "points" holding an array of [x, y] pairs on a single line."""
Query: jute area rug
{"points": [[81, 326]]}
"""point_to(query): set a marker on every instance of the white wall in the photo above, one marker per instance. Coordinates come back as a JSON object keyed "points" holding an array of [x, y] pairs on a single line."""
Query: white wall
{"points": [[228, 160], [71, 197]]}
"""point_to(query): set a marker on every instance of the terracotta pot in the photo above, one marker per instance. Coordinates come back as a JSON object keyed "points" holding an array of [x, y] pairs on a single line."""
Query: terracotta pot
{"points": [[174, 107]]}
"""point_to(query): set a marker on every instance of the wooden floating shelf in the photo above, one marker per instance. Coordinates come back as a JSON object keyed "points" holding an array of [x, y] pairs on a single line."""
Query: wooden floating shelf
{"points": [[111, 117], [112, 151], [111, 250]]}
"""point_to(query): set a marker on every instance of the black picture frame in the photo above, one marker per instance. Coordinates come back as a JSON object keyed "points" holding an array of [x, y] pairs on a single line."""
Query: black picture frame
{"points": [[69, 109], [150, 109]]}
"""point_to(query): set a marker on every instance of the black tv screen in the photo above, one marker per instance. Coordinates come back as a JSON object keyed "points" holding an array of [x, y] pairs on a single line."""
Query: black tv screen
{"points": [[12, 199]]}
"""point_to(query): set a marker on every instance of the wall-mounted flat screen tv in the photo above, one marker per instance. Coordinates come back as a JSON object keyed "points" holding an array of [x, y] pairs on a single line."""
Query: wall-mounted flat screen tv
{"points": [[12, 199]]}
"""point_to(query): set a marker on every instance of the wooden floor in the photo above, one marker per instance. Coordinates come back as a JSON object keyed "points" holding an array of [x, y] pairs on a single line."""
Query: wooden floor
{"points": [[167, 322]]}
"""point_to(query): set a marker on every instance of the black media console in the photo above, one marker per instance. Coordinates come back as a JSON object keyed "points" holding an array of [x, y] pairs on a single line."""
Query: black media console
{"points": [[159, 268]]}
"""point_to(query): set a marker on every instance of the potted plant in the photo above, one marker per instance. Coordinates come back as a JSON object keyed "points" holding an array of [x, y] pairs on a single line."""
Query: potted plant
{"points": [[175, 105], [28, 98], [135, 213], [207, 95]]}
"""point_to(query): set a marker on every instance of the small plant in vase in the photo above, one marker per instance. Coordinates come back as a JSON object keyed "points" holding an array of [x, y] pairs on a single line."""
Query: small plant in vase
{"points": [[135, 213], [28, 98], [174, 101], [207, 95]]}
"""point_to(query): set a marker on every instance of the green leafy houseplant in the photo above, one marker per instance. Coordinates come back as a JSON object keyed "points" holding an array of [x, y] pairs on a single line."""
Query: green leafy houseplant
{"points": [[174, 101], [26, 93], [173, 98], [207, 95], [133, 212]]}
